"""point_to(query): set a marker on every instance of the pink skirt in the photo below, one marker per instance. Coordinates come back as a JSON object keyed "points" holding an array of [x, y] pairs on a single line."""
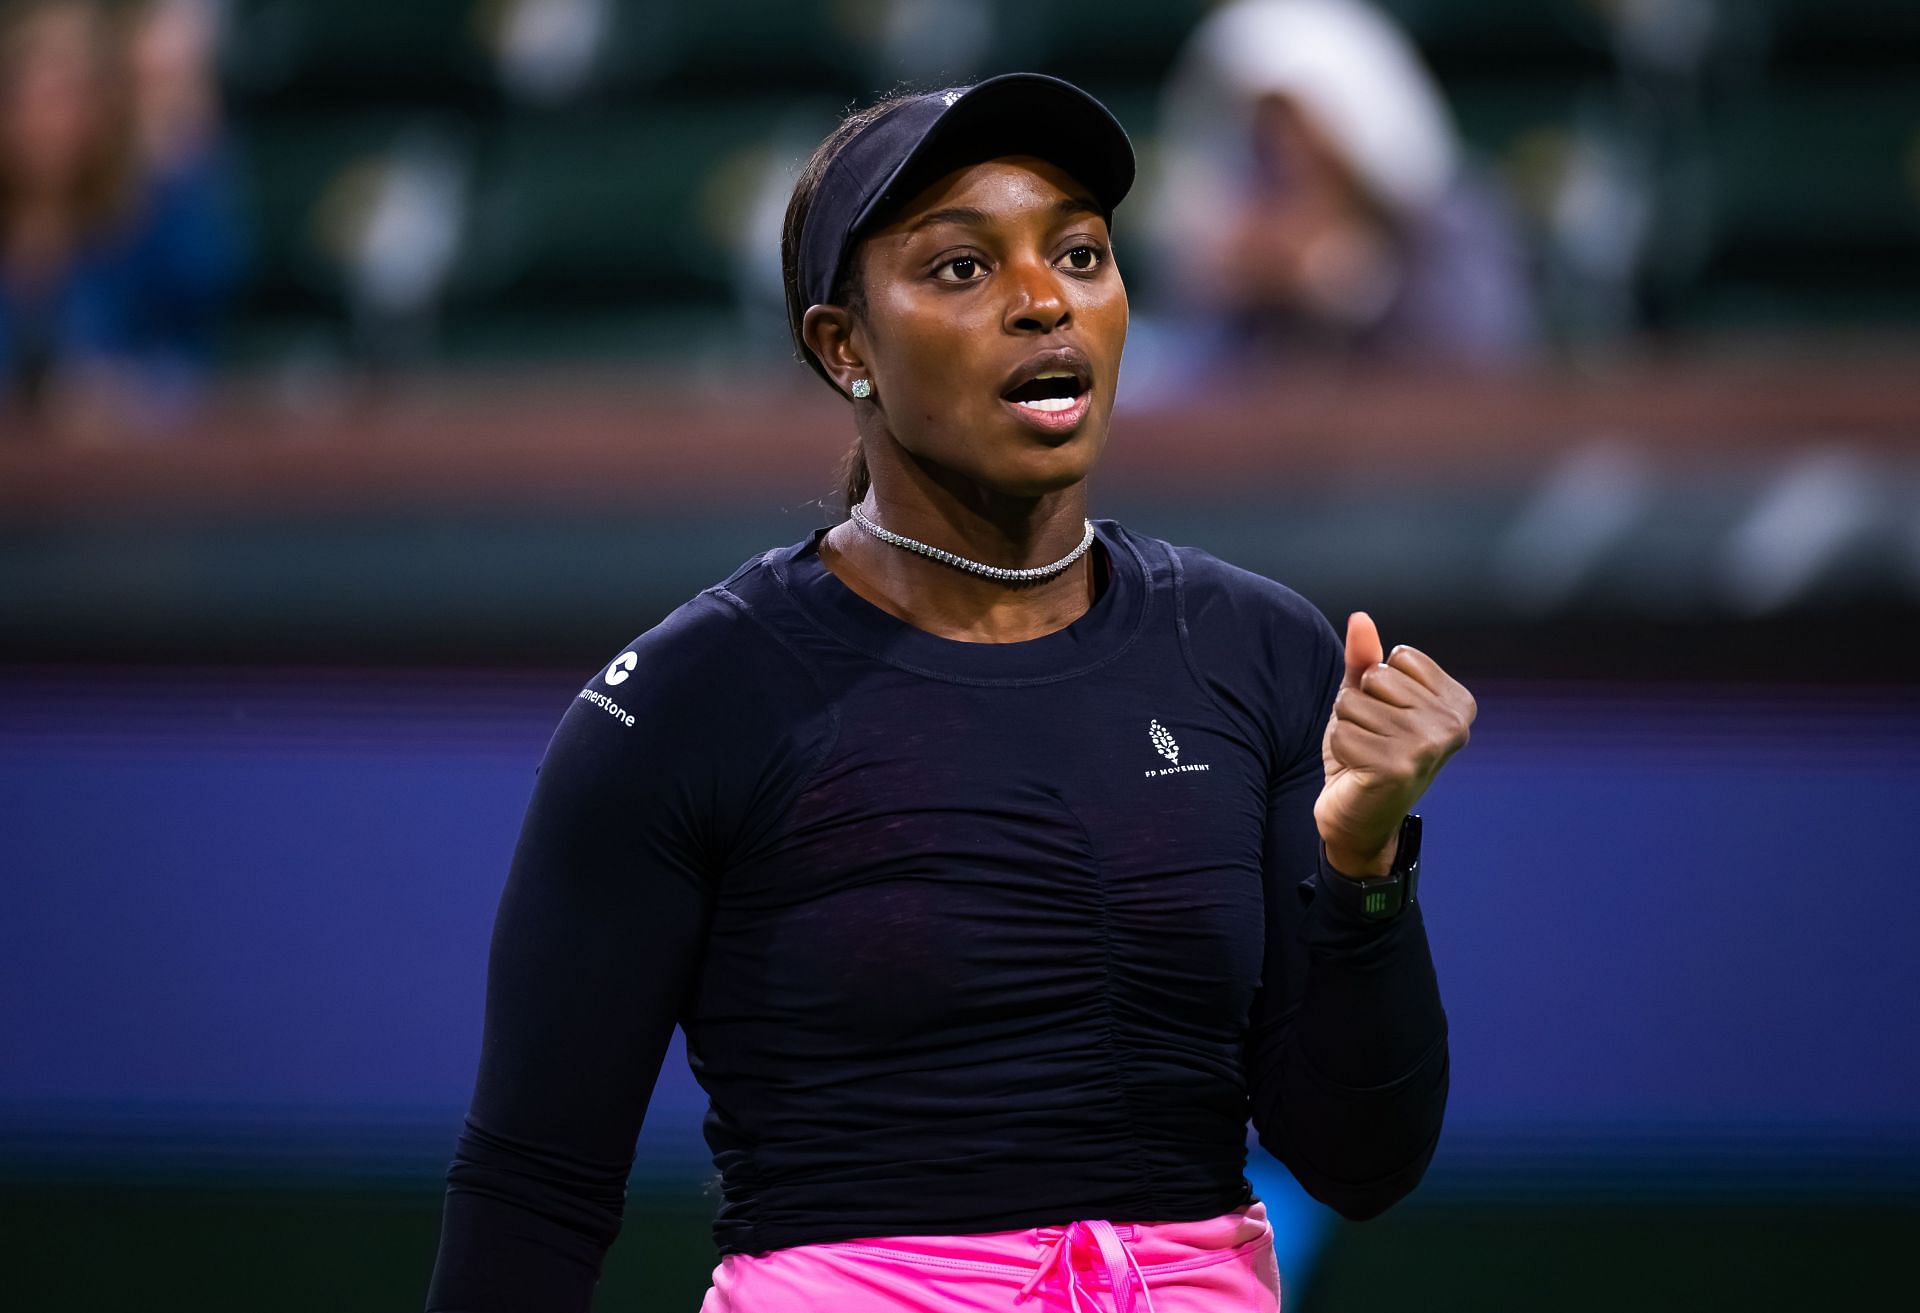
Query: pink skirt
{"points": [[1223, 1264]]}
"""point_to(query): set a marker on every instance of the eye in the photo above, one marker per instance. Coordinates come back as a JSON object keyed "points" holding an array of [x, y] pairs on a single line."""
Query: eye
{"points": [[1083, 259], [966, 269]]}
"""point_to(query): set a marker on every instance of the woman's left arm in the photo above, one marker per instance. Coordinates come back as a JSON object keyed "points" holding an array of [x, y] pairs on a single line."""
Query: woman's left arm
{"points": [[1347, 1053]]}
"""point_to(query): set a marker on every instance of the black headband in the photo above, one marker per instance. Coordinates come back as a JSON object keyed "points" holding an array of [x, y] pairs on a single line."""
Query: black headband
{"points": [[892, 159]]}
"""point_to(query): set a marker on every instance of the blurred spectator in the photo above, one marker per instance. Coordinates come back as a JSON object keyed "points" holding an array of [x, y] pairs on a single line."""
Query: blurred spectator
{"points": [[119, 245], [1313, 198], [170, 48]]}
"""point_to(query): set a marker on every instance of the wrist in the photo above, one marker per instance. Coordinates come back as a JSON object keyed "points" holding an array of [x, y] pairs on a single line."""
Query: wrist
{"points": [[1356, 864]]}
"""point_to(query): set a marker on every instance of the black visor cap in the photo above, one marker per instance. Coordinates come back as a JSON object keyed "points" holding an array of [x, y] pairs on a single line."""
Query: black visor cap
{"points": [[893, 160]]}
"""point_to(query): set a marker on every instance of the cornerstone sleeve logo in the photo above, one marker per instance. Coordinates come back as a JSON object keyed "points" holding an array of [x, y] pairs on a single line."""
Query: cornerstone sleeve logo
{"points": [[622, 667]]}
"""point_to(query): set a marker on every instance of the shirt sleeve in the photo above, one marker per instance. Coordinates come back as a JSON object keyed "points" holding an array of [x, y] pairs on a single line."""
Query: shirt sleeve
{"points": [[658, 771], [1347, 1049]]}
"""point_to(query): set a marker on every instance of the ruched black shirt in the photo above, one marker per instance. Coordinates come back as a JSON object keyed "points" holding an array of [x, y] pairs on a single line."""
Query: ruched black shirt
{"points": [[963, 936]]}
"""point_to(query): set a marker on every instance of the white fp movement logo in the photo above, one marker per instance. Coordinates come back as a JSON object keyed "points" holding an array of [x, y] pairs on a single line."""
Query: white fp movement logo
{"points": [[1164, 743]]}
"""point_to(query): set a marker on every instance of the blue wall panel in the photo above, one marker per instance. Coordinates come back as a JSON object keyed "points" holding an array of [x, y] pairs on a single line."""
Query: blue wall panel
{"points": [[253, 907]]}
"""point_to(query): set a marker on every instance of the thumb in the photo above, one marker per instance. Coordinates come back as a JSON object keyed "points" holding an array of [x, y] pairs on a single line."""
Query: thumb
{"points": [[1363, 648]]}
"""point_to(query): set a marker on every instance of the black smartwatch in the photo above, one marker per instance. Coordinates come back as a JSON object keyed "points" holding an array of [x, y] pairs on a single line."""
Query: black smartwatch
{"points": [[1383, 897]]}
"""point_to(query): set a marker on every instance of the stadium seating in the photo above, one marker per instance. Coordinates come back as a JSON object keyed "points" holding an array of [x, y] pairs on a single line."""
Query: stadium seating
{"points": [[1095, 42], [706, 49], [588, 209], [1865, 33], [361, 53], [1815, 204], [1506, 38], [310, 179], [1787, 179]]}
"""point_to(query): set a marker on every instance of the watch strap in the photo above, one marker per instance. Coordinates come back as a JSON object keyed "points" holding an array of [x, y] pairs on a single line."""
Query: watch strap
{"points": [[1385, 897]]}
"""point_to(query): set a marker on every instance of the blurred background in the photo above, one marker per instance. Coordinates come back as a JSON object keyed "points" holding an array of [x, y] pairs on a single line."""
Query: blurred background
{"points": [[371, 371]]}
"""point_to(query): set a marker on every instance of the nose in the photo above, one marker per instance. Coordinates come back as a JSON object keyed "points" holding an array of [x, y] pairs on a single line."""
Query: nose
{"points": [[1037, 304]]}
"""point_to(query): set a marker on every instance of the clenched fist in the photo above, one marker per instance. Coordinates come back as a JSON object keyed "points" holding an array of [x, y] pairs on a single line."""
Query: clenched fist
{"points": [[1394, 724]]}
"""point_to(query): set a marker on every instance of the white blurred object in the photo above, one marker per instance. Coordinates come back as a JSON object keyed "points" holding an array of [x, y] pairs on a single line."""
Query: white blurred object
{"points": [[1348, 66], [1601, 218], [547, 49], [1588, 502], [1822, 504], [396, 224], [759, 288]]}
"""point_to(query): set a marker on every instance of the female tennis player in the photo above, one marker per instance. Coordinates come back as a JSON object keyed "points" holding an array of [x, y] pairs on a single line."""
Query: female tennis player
{"points": [[999, 864]]}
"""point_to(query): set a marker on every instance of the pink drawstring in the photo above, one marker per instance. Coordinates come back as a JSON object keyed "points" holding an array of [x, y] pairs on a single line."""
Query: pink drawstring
{"points": [[1122, 1267]]}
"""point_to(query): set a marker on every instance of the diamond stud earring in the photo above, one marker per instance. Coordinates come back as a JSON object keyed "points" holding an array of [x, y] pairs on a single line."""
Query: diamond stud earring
{"points": [[862, 389]]}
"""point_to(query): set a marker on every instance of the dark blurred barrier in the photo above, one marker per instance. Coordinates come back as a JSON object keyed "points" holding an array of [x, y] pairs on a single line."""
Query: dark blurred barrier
{"points": [[319, 1250], [295, 1246], [1560, 524]]}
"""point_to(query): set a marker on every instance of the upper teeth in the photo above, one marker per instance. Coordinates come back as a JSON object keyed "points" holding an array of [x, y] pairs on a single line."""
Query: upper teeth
{"points": [[1052, 403]]}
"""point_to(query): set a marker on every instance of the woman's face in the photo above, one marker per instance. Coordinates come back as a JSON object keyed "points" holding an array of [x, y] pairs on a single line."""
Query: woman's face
{"points": [[994, 326], [50, 116]]}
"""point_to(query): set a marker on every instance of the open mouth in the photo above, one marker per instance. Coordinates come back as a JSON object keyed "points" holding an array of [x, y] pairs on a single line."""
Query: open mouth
{"points": [[1051, 393]]}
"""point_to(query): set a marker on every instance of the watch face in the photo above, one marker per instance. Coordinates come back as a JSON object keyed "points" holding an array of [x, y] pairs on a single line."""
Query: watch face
{"points": [[1408, 856]]}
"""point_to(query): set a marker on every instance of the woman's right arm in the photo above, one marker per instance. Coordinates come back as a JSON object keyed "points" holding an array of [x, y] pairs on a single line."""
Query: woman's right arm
{"points": [[594, 950]]}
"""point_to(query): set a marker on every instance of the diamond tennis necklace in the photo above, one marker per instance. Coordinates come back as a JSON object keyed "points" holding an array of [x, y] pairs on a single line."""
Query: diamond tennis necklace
{"points": [[977, 567]]}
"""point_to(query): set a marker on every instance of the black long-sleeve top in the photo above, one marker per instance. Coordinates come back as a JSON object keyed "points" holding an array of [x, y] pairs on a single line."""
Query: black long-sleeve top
{"points": [[964, 937]]}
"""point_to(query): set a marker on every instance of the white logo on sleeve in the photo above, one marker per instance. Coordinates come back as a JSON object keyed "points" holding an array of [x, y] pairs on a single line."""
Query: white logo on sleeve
{"points": [[622, 667], [1164, 743]]}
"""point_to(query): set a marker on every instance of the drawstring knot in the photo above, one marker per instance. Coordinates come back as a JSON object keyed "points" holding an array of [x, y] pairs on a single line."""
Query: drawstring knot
{"points": [[1122, 1268]]}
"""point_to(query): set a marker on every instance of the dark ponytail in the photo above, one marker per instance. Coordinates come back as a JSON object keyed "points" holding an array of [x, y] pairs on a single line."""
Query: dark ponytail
{"points": [[849, 290], [854, 479]]}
